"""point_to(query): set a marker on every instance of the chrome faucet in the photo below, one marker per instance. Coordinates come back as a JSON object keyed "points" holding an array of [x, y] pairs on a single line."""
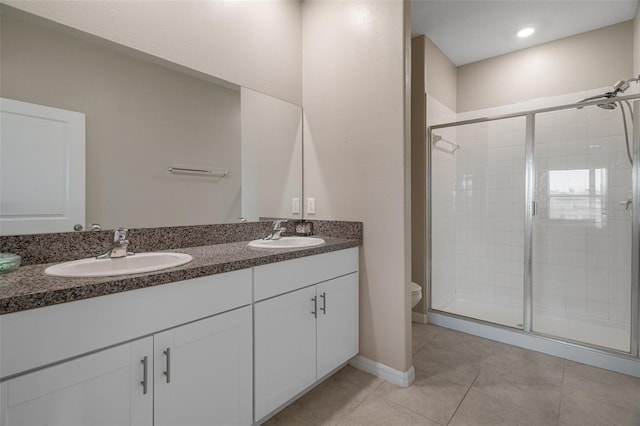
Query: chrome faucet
{"points": [[119, 246], [277, 230]]}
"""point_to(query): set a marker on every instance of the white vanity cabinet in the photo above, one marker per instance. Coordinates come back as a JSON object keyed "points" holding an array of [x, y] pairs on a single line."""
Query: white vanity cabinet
{"points": [[337, 325], [104, 389], [203, 372], [285, 349], [183, 362], [194, 352], [306, 324]]}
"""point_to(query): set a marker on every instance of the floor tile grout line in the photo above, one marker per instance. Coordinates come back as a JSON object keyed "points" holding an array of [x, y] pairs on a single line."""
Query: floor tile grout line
{"points": [[410, 410], [369, 394], [562, 389], [427, 341], [464, 397], [456, 349]]}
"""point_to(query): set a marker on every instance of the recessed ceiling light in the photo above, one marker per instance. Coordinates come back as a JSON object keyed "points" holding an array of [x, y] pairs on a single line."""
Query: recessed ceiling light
{"points": [[525, 32]]}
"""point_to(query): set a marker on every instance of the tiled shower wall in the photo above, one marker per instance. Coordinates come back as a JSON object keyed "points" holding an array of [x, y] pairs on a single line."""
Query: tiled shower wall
{"points": [[490, 211], [582, 241], [443, 221], [581, 266]]}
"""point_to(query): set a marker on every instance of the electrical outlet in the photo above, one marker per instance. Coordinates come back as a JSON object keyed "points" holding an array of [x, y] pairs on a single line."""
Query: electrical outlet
{"points": [[311, 205], [295, 205]]}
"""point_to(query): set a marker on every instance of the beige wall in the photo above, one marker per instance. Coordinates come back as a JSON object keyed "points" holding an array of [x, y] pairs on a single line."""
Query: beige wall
{"points": [[572, 64], [636, 42], [354, 159], [441, 75], [418, 165], [140, 119], [354, 97], [256, 44], [271, 156], [435, 74]]}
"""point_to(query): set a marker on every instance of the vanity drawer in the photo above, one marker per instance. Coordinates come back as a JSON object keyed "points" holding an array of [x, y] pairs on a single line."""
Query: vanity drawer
{"points": [[281, 277], [37, 337]]}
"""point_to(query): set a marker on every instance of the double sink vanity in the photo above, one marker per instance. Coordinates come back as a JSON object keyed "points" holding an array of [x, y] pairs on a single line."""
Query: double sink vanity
{"points": [[228, 338]]}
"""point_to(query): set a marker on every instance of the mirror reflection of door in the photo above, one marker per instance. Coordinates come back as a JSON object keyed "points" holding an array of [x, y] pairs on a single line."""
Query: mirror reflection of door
{"points": [[42, 168], [145, 115]]}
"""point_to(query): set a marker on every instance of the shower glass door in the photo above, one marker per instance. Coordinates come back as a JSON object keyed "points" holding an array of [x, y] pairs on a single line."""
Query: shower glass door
{"points": [[477, 220], [582, 228]]}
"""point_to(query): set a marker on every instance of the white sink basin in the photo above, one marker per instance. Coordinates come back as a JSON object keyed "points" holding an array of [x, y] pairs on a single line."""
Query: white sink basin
{"points": [[135, 264], [287, 242]]}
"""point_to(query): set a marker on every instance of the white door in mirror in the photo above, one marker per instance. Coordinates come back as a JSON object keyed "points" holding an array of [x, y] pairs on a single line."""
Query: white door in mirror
{"points": [[136, 264], [287, 242], [42, 169]]}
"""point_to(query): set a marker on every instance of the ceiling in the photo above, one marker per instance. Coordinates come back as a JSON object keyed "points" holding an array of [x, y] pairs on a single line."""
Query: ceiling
{"points": [[471, 30]]}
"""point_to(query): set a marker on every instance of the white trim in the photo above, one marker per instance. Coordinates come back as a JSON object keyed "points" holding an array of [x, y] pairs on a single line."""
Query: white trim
{"points": [[419, 317], [590, 356], [391, 375]]}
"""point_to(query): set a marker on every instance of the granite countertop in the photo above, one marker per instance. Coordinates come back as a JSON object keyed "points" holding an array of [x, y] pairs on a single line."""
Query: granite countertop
{"points": [[29, 287]]}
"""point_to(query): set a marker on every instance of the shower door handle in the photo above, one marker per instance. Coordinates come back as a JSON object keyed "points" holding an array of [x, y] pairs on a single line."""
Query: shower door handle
{"points": [[627, 203]]}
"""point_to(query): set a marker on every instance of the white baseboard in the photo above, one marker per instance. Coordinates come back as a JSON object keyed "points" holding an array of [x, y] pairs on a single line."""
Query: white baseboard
{"points": [[419, 318], [391, 375]]}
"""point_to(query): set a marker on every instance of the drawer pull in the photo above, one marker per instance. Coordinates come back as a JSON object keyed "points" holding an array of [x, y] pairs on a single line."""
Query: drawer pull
{"points": [[315, 307], [324, 303]]}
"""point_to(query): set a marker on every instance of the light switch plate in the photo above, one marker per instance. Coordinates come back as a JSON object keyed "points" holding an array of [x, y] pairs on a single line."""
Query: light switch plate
{"points": [[295, 205], [311, 205]]}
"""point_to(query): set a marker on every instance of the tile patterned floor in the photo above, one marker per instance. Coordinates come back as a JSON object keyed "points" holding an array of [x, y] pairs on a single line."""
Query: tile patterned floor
{"points": [[466, 380]]}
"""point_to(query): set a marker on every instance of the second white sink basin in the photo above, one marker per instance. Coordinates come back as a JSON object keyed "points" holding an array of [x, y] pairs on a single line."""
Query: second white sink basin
{"points": [[287, 242], [135, 264]]}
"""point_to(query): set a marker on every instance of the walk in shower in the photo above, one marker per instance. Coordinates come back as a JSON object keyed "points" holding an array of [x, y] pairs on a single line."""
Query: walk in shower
{"points": [[534, 220]]}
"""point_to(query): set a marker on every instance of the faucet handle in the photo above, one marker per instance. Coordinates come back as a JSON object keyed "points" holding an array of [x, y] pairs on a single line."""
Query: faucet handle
{"points": [[119, 247], [278, 222], [120, 235]]}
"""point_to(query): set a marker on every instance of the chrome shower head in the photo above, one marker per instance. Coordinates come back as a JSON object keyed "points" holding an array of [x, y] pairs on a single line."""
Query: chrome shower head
{"points": [[607, 95], [608, 105], [619, 87]]}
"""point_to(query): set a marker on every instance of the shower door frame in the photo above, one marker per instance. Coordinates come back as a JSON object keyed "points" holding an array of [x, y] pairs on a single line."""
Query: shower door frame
{"points": [[530, 186]]}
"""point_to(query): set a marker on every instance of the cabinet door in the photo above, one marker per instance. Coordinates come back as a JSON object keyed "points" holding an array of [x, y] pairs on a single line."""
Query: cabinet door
{"points": [[337, 322], [285, 348], [104, 388], [203, 372]]}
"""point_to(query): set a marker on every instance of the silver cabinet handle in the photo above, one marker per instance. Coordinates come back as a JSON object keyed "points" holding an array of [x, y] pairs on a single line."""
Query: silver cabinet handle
{"points": [[167, 372], [315, 307], [324, 303], [145, 371]]}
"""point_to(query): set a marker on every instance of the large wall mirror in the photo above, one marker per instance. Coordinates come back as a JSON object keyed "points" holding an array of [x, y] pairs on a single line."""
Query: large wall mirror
{"points": [[235, 154]]}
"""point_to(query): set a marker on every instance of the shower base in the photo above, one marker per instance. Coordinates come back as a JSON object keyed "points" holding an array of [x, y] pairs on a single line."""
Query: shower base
{"points": [[602, 333]]}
